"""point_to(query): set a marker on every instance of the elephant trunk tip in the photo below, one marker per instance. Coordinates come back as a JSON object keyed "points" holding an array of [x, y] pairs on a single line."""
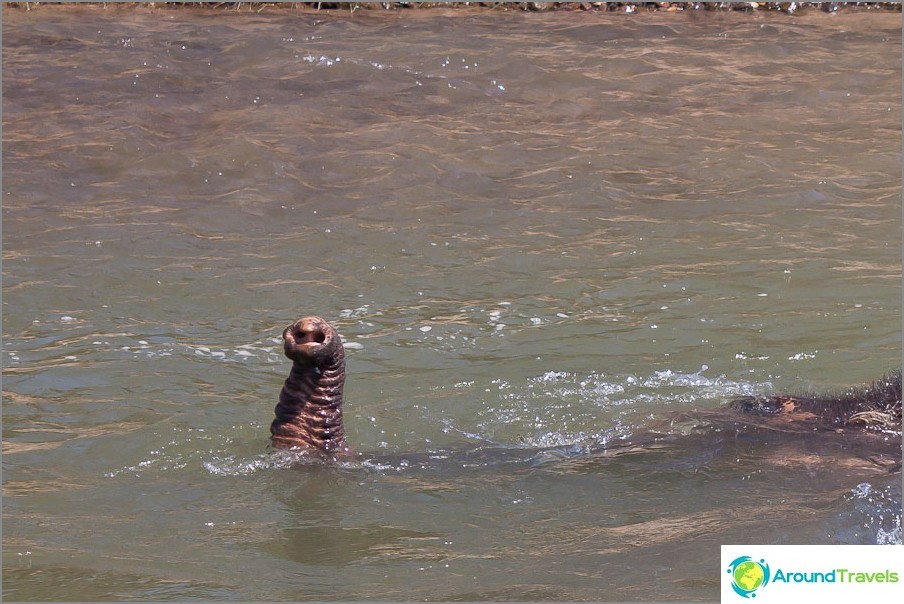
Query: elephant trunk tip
{"points": [[311, 341]]}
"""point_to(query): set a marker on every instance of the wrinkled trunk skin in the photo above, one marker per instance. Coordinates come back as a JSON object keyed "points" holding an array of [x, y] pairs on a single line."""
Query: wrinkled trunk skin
{"points": [[309, 413]]}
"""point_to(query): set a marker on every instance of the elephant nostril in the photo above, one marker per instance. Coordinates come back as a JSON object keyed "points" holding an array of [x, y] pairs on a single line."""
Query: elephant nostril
{"points": [[306, 336]]}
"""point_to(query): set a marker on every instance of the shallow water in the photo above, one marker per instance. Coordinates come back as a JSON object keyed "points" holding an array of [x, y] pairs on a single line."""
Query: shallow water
{"points": [[537, 234]]}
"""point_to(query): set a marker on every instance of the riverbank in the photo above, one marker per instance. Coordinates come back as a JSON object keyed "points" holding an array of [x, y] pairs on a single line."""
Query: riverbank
{"points": [[624, 7]]}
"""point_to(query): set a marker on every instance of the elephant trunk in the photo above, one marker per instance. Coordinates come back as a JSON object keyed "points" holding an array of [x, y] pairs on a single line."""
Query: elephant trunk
{"points": [[309, 413]]}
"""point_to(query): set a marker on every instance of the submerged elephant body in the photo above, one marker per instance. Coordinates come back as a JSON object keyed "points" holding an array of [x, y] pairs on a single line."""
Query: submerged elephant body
{"points": [[309, 413]]}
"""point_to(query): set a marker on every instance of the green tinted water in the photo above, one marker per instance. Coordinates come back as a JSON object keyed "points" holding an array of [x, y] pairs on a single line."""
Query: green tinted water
{"points": [[531, 231]]}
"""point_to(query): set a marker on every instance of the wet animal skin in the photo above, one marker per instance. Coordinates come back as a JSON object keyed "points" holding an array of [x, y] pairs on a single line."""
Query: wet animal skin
{"points": [[877, 405], [309, 413]]}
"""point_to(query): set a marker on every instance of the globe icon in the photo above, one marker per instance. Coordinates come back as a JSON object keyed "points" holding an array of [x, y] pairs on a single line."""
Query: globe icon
{"points": [[749, 575]]}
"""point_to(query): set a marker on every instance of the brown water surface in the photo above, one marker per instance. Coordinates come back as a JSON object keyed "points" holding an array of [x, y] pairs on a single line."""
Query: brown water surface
{"points": [[532, 231]]}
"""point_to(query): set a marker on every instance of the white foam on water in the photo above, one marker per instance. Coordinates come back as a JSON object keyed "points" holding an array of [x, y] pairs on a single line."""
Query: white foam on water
{"points": [[879, 510], [230, 466]]}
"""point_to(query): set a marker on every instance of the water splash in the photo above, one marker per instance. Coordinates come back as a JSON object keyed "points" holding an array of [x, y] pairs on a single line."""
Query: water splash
{"points": [[229, 465], [877, 511], [562, 407]]}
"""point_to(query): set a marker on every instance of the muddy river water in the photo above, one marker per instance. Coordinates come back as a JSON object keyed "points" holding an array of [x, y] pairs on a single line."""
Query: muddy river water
{"points": [[532, 231]]}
